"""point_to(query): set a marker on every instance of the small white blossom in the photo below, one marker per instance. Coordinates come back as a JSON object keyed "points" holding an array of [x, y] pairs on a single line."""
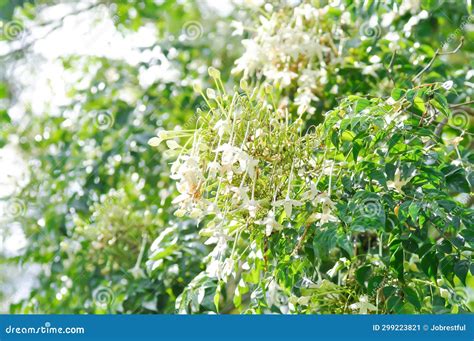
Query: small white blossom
{"points": [[238, 28], [397, 183], [364, 306], [288, 204], [270, 223], [447, 85]]}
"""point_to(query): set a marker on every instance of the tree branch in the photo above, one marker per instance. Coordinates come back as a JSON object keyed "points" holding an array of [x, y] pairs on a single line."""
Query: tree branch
{"points": [[300, 242], [56, 24], [438, 53]]}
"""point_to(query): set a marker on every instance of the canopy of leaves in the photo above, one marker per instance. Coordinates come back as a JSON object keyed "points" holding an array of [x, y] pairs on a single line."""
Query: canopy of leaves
{"points": [[280, 157]]}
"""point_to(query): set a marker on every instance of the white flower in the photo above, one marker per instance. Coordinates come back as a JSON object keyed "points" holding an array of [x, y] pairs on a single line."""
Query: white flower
{"points": [[288, 204], [392, 36], [387, 19], [363, 305], [137, 272], [228, 154], [311, 193], [412, 6], [213, 167], [247, 163], [281, 77], [182, 197], [303, 100], [238, 28], [397, 183], [211, 207], [228, 158], [371, 69], [252, 206], [324, 217], [222, 126], [251, 60], [240, 194], [270, 223], [327, 167], [340, 264], [324, 199], [274, 295], [444, 293], [228, 267], [375, 59], [154, 141], [186, 170], [447, 85], [455, 141]]}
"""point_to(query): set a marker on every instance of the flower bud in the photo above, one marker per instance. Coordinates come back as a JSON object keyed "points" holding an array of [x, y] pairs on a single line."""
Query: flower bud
{"points": [[214, 73], [268, 88], [244, 85], [154, 141], [197, 86], [211, 93]]}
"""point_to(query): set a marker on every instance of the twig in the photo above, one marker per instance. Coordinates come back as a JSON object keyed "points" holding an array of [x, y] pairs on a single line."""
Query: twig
{"points": [[300, 242], [390, 66], [460, 104], [438, 53], [439, 128], [55, 24]]}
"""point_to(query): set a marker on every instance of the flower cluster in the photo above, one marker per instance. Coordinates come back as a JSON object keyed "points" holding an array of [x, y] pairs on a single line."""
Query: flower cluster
{"points": [[303, 48], [295, 46], [249, 167]]}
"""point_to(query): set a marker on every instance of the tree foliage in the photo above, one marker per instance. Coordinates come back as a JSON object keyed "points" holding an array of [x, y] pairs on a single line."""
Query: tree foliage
{"points": [[308, 157]]}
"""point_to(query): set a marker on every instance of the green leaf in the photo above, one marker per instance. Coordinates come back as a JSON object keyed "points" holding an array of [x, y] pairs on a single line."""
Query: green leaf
{"points": [[396, 261], [410, 245], [429, 264], [164, 252], [347, 135], [461, 269], [363, 274], [397, 94], [393, 140], [356, 147], [445, 246], [412, 296], [389, 291], [441, 103], [413, 211], [217, 297], [457, 182], [361, 104], [394, 303], [446, 266], [419, 104], [411, 94], [374, 284], [4, 117], [335, 139]]}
